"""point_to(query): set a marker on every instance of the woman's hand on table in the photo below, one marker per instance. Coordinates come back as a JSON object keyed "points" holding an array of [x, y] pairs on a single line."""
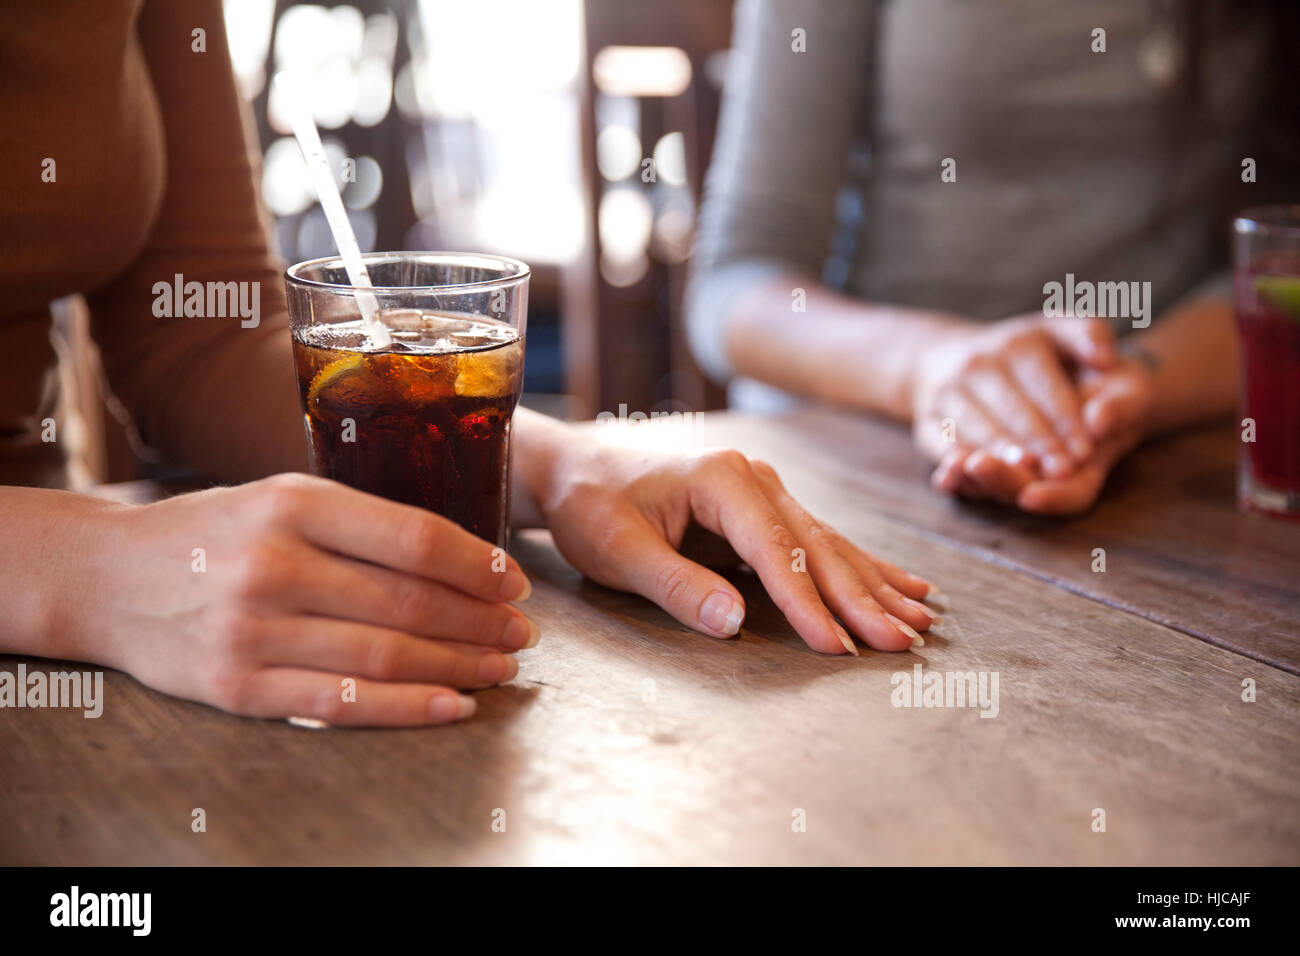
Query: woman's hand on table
{"points": [[1030, 412], [1116, 405], [648, 522], [264, 598], [304, 582]]}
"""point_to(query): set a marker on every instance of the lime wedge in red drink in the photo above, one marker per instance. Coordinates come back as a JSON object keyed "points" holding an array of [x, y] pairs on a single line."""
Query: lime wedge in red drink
{"points": [[1282, 292]]}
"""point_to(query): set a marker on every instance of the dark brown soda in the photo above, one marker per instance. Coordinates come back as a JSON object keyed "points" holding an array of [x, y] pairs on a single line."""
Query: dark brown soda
{"points": [[425, 422]]}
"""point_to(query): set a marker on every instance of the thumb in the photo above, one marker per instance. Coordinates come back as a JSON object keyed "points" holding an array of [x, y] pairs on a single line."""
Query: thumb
{"points": [[1114, 403], [1087, 341], [1078, 492], [645, 563]]}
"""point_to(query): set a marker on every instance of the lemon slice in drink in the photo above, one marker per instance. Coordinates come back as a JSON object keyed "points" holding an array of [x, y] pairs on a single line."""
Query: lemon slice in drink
{"points": [[1283, 292], [334, 374]]}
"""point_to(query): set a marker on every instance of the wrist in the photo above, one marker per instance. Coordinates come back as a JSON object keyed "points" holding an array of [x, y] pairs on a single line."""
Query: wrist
{"points": [[1146, 365], [51, 572], [929, 332], [1138, 354], [540, 443]]}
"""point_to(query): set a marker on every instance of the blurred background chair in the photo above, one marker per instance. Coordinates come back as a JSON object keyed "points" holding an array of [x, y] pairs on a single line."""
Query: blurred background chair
{"points": [[649, 91]]}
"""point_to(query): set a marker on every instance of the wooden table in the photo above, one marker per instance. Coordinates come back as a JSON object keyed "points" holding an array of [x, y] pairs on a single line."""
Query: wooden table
{"points": [[627, 739]]}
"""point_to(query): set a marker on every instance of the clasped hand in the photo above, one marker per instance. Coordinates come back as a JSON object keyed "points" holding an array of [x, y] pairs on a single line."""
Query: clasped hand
{"points": [[1031, 412]]}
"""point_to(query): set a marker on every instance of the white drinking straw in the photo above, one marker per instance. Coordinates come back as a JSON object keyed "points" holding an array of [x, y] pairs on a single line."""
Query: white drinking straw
{"points": [[304, 130]]}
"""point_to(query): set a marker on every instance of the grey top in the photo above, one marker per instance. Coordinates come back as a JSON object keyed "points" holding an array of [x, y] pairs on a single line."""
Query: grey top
{"points": [[828, 162]]}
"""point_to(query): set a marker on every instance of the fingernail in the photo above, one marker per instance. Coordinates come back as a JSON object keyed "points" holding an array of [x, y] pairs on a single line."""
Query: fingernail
{"points": [[917, 605], [448, 707], [846, 641], [917, 639], [497, 668], [1013, 455], [1080, 448], [1056, 466], [1094, 416], [521, 633], [516, 586], [722, 613]]}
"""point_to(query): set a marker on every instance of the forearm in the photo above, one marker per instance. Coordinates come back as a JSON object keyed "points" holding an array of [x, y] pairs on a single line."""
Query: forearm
{"points": [[839, 350], [1193, 357], [49, 552]]}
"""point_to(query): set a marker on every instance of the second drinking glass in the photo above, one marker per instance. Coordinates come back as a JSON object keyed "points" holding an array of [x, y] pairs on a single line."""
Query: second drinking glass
{"points": [[1267, 255]]}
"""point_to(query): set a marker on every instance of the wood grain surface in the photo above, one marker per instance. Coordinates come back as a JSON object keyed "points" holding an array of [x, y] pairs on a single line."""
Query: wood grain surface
{"points": [[628, 739], [1178, 551]]}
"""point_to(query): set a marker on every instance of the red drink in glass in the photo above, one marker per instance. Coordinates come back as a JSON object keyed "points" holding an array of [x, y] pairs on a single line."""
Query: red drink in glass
{"points": [[1267, 293]]}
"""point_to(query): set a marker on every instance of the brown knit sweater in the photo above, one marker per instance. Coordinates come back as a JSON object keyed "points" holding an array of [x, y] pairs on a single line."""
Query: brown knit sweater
{"points": [[151, 176]]}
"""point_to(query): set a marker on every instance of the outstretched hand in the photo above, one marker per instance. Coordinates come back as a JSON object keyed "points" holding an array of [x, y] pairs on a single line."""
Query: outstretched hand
{"points": [[621, 517]]}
